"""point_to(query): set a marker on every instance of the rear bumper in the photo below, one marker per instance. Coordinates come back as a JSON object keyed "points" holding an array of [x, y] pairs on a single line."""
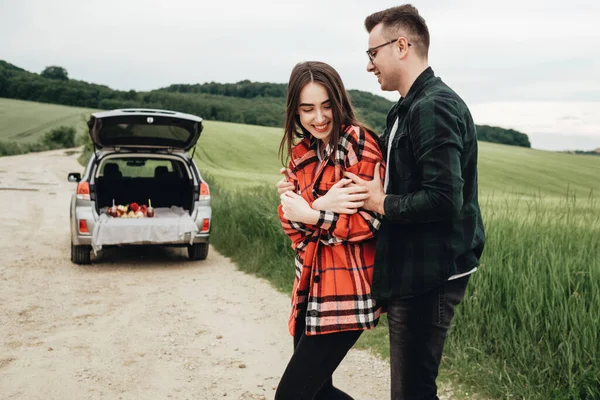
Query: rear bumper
{"points": [[90, 215], [86, 240]]}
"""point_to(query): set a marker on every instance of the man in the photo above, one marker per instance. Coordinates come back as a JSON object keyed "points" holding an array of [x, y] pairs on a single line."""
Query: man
{"points": [[432, 234]]}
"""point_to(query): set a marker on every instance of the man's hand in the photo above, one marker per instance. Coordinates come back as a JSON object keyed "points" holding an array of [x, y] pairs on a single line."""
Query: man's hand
{"points": [[295, 208], [284, 185], [375, 189], [342, 198]]}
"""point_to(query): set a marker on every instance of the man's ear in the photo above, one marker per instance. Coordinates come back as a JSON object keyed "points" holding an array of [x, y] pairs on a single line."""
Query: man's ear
{"points": [[402, 44]]}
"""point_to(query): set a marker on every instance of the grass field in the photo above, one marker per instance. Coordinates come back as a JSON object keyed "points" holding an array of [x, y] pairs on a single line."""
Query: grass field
{"points": [[243, 155], [27, 121], [528, 328]]}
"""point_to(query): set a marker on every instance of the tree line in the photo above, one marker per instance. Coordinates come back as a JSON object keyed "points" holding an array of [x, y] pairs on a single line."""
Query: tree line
{"points": [[246, 102]]}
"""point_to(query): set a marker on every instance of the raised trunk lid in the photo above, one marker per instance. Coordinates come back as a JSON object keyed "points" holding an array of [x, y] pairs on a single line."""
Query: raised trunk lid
{"points": [[143, 128]]}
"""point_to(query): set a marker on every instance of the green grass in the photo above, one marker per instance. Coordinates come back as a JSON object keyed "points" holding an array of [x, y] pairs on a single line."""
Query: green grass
{"points": [[510, 169], [242, 155], [529, 325], [528, 328], [26, 121]]}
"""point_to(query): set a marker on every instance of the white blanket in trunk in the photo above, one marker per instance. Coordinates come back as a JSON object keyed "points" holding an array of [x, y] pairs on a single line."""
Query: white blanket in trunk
{"points": [[168, 225]]}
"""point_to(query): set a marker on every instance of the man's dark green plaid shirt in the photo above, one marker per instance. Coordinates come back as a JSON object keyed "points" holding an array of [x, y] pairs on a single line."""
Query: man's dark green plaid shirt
{"points": [[432, 228]]}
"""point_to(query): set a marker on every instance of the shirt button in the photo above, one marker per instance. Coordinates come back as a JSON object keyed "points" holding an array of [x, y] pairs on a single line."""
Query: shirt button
{"points": [[317, 278], [313, 313]]}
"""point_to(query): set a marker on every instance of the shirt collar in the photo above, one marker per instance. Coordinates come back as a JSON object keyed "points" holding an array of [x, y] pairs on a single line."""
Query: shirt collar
{"points": [[416, 88], [316, 146]]}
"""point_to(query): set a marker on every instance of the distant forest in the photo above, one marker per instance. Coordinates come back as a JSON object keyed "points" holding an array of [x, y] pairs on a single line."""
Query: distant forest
{"points": [[246, 102]]}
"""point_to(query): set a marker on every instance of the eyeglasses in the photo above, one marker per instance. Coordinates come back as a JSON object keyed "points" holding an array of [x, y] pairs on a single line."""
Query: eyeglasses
{"points": [[372, 55]]}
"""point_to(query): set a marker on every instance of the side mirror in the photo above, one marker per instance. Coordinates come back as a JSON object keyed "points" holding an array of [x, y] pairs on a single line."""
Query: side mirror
{"points": [[74, 177]]}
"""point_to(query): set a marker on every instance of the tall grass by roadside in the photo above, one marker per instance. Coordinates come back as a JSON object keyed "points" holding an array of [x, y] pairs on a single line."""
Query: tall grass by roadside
{"points": [[529, 325], [245, 227]]}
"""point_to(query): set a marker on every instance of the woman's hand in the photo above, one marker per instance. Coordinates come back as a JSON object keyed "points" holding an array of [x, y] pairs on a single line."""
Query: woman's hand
{"points": [[296, 209], [284, 185], [342, 198]]}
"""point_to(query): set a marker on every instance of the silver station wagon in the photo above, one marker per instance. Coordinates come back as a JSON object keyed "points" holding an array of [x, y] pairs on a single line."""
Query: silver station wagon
{"points": [[140, 185]]}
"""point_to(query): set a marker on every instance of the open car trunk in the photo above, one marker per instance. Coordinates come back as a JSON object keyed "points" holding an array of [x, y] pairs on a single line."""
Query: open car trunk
{"points": [[133, 128], [165, 182]]}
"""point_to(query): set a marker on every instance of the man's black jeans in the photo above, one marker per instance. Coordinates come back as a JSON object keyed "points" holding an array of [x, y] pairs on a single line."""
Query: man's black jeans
{"points": [[418, 328], [308, 374]]}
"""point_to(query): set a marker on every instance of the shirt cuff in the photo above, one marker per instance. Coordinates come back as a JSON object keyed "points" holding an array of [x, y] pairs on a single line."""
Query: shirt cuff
{"points": [[391, 205], [327, 219]]}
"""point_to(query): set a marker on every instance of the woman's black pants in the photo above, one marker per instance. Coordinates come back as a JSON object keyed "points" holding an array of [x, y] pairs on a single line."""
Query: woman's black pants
{"points": [[308, 375]]}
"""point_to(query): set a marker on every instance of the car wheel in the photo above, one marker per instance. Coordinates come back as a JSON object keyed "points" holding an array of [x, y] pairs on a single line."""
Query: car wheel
{"points": [[80, 254], [198, 251]]}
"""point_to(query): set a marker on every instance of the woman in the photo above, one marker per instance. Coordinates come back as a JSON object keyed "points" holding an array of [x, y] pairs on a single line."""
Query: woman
{"points": [[331, 302]]}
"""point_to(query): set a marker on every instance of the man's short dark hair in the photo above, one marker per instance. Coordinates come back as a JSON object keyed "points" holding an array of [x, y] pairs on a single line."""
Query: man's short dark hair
{"points": [[406, 18]]}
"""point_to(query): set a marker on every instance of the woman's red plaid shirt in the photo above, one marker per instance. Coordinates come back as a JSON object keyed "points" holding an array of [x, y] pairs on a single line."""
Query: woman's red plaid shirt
{"points": [[334, 258]]}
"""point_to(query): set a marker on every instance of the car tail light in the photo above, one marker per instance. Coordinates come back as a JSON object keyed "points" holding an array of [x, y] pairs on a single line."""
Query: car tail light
{"points": [[205, 225], [83, 190], [83, 226], [204, 191]]}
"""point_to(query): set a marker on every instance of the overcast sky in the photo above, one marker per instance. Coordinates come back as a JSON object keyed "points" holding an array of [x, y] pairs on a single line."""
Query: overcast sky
{"points": [[532, 65]]}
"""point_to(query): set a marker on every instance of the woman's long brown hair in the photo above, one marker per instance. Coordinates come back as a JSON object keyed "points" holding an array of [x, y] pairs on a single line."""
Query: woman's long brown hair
{"points": [[341, 106]]}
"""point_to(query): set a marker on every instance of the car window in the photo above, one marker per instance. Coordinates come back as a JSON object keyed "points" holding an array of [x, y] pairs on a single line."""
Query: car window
{"points": [[139, 168]]}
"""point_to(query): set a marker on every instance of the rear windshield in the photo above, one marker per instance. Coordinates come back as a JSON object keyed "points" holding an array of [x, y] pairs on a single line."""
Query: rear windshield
{"points": [[146, 131], [142, 168]]}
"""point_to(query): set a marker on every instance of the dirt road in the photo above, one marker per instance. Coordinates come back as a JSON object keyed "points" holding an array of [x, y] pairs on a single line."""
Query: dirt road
{"points": [[137, 324]]}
